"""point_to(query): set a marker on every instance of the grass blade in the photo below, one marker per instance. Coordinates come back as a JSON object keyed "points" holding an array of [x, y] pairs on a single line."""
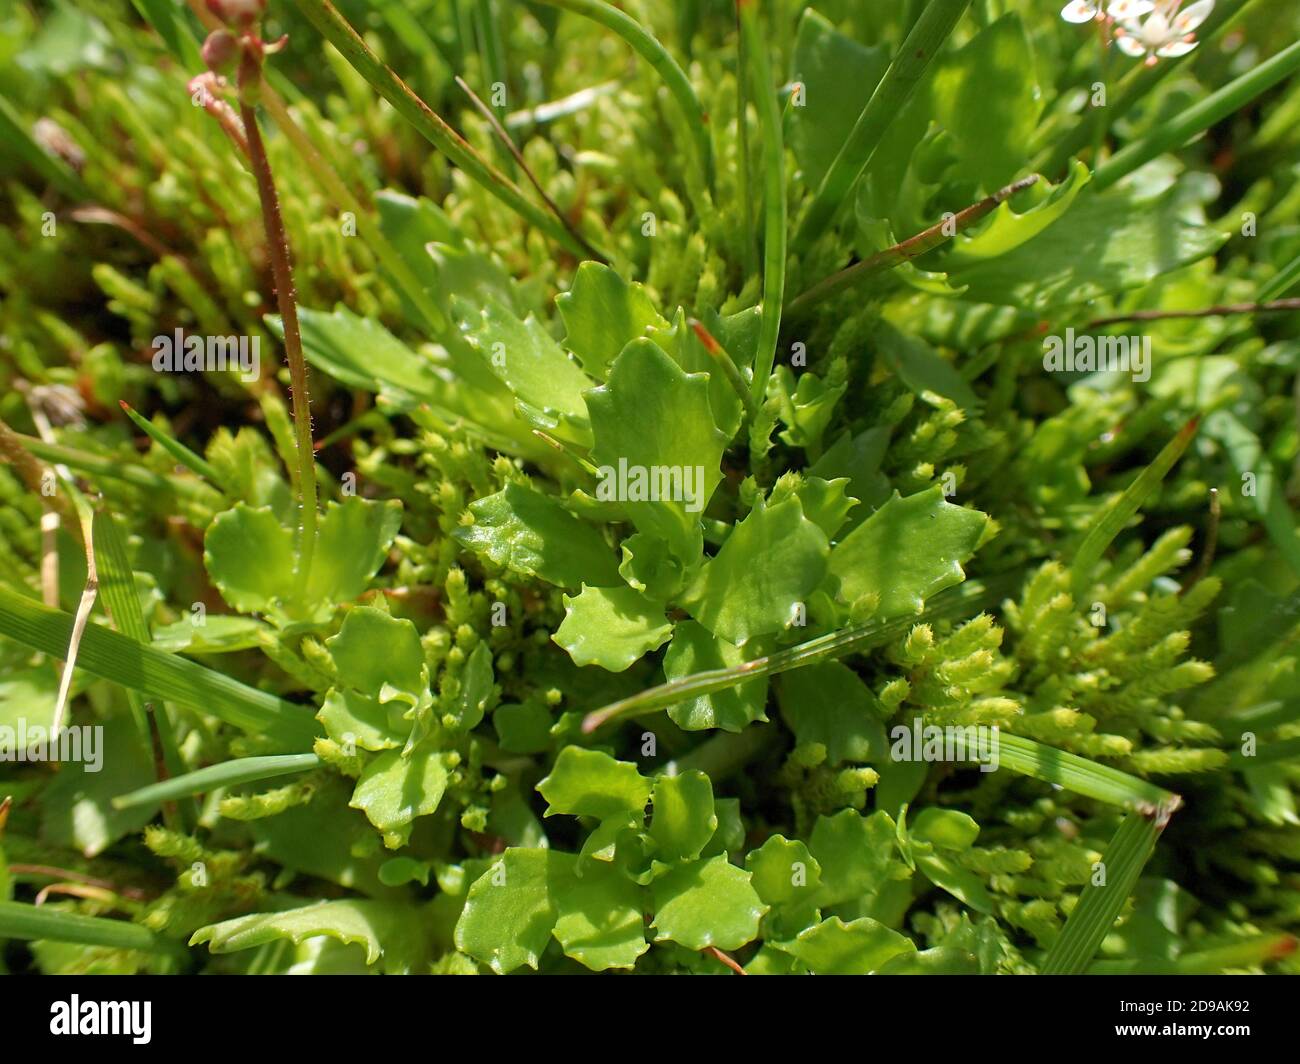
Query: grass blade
{"points": [[112, 656], [1287, 278], [1098, 906], [1173, 134], [1106, 526], [1249, 953], [646, 45], [19, 920], [1083, 776], [339, 32], [774, 210], [227, 774], [117, 585], [955, 604], [905, 73], [172, 446]]}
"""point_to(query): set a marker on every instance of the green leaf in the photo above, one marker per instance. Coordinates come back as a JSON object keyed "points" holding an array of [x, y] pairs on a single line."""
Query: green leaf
{"points": [[695, 649], [1006, 228], [987, 98], [651, 415], [354, 538], [854, 853], [533, 534], [683, 819], [833, 947], [374, 649], [907, 551], [394, 790], [600, 918], [832, 102], [591, 783], [523, 729], [476, 689], [510, 910], [384, 930], [706, 903], [922, 368], [611, 627], [963, 885], [535, 369], [949, 829], [602, 314], [250, 557], [351, 718], [1104, 244], [766, 569], [783, 871], [360, 353], [828, 704]]}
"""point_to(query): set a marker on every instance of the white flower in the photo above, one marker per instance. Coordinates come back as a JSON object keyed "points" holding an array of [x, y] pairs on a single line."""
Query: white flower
{"points": [[1081, 11], [1166, 32]]}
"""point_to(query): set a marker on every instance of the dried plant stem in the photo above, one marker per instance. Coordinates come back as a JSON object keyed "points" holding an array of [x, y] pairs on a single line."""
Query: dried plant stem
{"points": [[911, 248], [518, 156], [304, 474]]}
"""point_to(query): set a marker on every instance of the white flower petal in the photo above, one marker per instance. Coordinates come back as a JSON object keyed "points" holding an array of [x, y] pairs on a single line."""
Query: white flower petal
{"points": [[1187, 20], [1129, 9], [1079, 11], [1177, 48], [1130, 46]]}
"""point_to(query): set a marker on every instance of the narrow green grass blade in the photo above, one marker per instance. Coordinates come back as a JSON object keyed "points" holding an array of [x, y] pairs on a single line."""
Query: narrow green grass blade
{"points": [[112, 656], [905, 73], [1107, 525], [1287, 278], [227, 774], [647, 46], [339, 32], [115, 469], [168, 19], [774, 209], [173, 447], [1248, 954], [1182, 127], [1098, 906], [970, 598], [19, 920], [117, 586], [1081, 775]]}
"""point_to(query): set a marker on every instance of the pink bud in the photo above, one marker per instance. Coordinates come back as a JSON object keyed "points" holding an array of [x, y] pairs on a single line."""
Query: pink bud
{"points": [[238, 14], [220, 51]]}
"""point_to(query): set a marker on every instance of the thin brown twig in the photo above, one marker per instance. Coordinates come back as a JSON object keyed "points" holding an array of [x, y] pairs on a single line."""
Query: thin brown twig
{"points": [[724, 958], [1221, 311], [500, 131], [911, 248], [729, 368], [286, 296]]}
